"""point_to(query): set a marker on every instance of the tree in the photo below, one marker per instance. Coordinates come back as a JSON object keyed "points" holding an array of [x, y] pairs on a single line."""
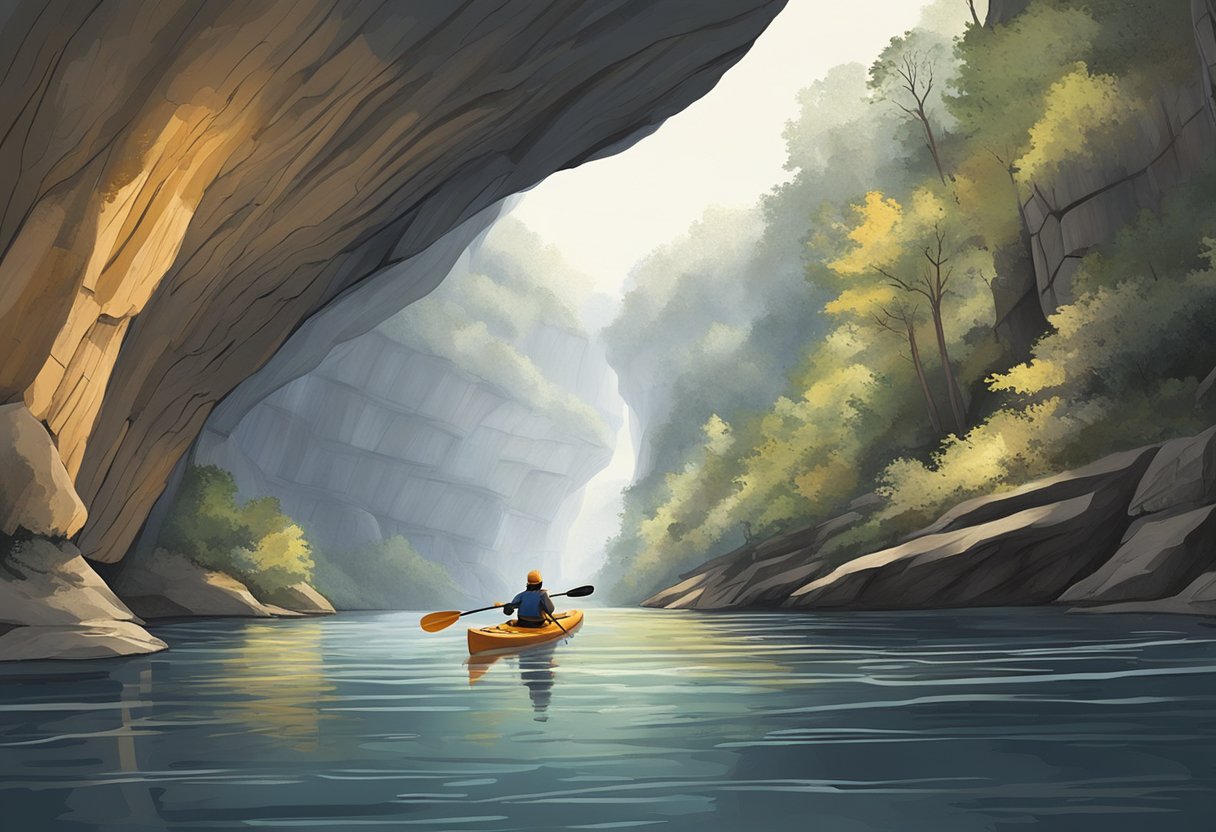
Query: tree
{"points": [[932, 284], [912, 74], [975, 18], [900, 319]]}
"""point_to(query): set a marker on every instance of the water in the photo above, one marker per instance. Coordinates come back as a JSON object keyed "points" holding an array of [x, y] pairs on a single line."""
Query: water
{"points": [[978, 720]]}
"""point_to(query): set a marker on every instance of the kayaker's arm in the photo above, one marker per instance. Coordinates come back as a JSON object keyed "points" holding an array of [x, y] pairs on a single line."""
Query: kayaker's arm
{"points": [[546, 602]]}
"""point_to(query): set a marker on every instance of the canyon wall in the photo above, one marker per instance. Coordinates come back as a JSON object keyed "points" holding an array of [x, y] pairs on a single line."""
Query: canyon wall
{"points": [[189, 182], [475, 449]]}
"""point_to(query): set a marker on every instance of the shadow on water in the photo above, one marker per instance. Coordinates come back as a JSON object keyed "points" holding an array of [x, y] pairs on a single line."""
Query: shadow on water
{"points": [[537, 667]]}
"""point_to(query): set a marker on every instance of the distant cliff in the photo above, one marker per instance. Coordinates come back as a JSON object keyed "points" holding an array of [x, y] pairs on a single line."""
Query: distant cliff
{"points": [[467, 424]]}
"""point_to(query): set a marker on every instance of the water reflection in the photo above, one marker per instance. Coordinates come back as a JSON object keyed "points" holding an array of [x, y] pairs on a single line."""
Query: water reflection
{"points": [[537, 666], [279, 673]]}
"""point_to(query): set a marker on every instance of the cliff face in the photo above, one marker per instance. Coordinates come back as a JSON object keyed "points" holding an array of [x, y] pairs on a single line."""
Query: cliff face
{"points": [[1085, 204], [420, 428], [188, 182], [251, 163]]}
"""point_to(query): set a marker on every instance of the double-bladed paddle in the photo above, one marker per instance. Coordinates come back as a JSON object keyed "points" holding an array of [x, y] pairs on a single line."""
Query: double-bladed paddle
{"points": [[436, 621]]}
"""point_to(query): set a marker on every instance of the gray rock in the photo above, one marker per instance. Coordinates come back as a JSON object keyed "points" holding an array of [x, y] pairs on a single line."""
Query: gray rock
{"points": [[36, 493], [1182, 473], [764, 573], [1198, 598], [1159, 556], [1029, 557], [169, 585], [1119, 471]]}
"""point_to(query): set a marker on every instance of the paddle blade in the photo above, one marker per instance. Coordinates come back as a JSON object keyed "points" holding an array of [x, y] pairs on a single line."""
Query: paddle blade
{"points": [[581, 591], [436, 621]]}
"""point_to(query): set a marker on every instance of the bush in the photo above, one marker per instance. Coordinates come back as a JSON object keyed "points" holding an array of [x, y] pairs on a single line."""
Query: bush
{"points": [[389, 574], [254, 542]]}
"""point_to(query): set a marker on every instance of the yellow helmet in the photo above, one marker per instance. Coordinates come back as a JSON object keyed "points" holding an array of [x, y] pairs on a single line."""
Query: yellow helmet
{"points": [[534, 576]]}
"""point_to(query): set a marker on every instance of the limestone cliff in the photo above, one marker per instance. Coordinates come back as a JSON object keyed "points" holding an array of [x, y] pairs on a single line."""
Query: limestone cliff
{"points": [[189, 182], [467, 424]]}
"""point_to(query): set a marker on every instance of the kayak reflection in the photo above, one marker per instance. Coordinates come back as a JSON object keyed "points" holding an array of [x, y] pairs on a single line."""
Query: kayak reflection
{"points": [[536, 670]]}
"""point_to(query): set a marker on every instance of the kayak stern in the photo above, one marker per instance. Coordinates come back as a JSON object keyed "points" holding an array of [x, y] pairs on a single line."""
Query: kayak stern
{"points": [[506, 636]]}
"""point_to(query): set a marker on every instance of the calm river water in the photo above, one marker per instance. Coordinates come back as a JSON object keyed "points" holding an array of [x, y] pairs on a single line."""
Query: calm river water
{"points": [[977, 720]]}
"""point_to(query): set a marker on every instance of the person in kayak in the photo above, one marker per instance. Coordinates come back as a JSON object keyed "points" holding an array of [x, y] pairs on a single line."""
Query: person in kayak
{"points": [[533, 605]]}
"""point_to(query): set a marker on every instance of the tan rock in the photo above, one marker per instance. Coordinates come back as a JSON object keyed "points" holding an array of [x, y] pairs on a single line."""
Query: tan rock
{"points": [[301, 597], [36, 493], [88, 640], [1121, 470], [48, 584], [54, 606], [169, 585]]}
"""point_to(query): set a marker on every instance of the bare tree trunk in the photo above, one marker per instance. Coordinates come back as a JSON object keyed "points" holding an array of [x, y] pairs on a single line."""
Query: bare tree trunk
{"points": [[974, 17], [952, 388], [931, 142], [935, 419]]}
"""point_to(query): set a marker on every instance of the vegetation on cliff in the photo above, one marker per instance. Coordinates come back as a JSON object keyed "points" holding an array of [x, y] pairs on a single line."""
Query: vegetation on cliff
{"points": [[907, 197], [253, 541]]}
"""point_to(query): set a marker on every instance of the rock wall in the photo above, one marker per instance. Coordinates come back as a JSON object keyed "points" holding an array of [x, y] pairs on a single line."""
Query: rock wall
{"points": [[383, 439], [188, 182], [1086, 204], [1135, 531]]}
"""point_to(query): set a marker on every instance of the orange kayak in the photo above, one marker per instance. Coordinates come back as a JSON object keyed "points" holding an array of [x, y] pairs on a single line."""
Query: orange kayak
{"points": [[505, 636]]}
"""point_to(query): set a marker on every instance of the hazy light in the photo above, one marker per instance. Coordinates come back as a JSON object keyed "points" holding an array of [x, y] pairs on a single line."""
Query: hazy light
{"points": [[725, 149]]}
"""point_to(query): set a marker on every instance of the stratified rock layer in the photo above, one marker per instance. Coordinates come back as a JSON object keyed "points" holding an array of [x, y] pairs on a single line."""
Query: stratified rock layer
{"points": [[1134, 531], [188, 182]]}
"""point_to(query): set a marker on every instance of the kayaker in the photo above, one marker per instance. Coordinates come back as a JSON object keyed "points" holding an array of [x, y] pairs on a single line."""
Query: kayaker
{"points": [[532, 604]]}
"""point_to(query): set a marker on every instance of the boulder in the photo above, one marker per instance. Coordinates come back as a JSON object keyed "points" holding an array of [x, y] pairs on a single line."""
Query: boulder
{"points": [[1029, 557], [88, 640], [54, 606], [1117, 471], [302, 598], [170, 585], [1183, 473], [43, 583], [36, 493], [1159, 557]]}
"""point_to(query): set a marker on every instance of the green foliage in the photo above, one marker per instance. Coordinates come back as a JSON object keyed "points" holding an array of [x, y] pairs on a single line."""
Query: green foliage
{"points": [[389, 574], [1061, 89], [254, 542]]}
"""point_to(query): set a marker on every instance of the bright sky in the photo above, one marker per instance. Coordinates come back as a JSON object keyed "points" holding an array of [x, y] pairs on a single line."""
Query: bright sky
{"points": [[725, 149]]}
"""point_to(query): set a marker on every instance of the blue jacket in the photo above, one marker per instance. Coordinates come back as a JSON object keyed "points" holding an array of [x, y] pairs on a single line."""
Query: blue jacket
{"points": [[533, 604]]}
